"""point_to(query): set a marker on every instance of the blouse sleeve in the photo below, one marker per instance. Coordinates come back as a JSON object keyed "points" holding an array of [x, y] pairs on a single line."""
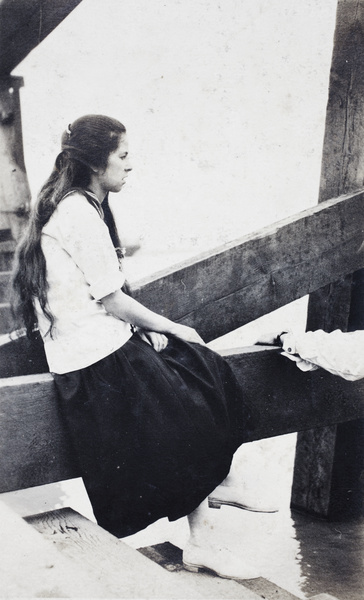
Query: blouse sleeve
{"points": [[85, 237], [339, 353]]}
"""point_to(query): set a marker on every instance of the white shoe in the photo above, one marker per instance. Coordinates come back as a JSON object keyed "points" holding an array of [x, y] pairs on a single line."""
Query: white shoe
{"points": [[220, 561], [240, 498]]}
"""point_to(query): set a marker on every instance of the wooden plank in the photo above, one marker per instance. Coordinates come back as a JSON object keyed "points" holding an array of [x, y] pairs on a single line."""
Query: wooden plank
{"points": [[123, 571], [288, 399], [33, 444], [169, 557], [260, 272], [24, 24], [21, 356], [32, 567], [34, 447]]}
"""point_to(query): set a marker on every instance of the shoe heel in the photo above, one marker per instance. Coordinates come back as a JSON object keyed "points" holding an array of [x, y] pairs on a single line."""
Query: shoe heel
{"points": [[214, 503], [191, 568]]}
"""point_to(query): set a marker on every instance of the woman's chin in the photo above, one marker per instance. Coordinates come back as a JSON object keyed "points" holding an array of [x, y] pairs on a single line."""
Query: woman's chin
{"points": [[117, 188]]}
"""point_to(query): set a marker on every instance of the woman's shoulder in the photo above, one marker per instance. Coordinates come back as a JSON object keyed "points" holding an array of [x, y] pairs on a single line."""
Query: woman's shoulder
{"points": [[78, 202], [75, 197], [73, 211]]}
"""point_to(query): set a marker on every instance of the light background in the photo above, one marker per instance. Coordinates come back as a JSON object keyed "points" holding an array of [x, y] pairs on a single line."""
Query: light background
{"points": [[224, 103]]}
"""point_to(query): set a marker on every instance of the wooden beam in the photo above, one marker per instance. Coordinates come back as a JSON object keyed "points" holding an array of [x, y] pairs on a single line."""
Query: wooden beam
{"points": [[21, 356], [33, 445], [232, 285], [34, 449], [239, 282], [24, 24], [287, 399]]}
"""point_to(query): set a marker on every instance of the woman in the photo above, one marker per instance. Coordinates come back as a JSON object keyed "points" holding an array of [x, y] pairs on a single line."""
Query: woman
{"points": [[153, 415]]}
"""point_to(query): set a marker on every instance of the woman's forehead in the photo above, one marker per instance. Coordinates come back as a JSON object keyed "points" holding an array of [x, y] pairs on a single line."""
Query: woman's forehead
{"points": [[123, 144]]}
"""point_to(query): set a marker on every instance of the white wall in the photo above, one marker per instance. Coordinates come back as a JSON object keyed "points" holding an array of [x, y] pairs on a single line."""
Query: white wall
{"points": [[224, 103]]}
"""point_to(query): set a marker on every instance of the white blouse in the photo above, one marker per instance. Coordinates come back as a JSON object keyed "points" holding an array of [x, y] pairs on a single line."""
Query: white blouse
{"points": [[82, 267], [338, 352]]}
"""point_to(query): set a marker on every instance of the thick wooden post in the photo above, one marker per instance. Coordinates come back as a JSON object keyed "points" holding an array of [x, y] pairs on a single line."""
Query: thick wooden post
{"points": [[329, 462], [14, 187]]}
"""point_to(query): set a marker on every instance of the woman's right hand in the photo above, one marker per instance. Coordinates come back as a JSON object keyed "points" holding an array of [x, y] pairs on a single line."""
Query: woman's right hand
{"points": [[188, 334]]}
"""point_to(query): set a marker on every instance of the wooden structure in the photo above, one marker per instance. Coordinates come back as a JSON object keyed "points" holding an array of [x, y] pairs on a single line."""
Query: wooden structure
{"points": [[33, 444], [23, 25], [315, 252], [332, 484]]}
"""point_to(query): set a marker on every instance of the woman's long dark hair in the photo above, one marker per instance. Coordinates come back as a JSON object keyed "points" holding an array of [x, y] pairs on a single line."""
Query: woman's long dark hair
{"points": [[86, 145]]}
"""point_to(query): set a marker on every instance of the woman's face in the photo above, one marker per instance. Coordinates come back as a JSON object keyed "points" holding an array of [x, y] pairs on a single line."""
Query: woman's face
{"points": [[117, 169]]}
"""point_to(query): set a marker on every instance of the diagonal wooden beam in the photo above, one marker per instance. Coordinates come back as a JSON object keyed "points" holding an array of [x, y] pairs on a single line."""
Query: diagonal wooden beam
{"points": [[24, 24], [237, 283], [232, 285]]}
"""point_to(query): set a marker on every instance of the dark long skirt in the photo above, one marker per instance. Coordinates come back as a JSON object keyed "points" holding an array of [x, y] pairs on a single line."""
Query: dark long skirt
{"points": [[153, 433]]}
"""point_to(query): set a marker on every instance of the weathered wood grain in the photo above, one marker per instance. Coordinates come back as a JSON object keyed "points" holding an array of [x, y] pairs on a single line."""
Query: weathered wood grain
{"points": [[32, 567], [24, 24], [21, 356], [232, 285], [34, 448], [342, 169], [287, 399], [97, 551], [239, 282]]}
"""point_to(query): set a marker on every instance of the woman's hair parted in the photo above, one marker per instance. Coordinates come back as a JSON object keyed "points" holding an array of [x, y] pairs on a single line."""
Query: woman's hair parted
{"points": [[86, 145]]}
